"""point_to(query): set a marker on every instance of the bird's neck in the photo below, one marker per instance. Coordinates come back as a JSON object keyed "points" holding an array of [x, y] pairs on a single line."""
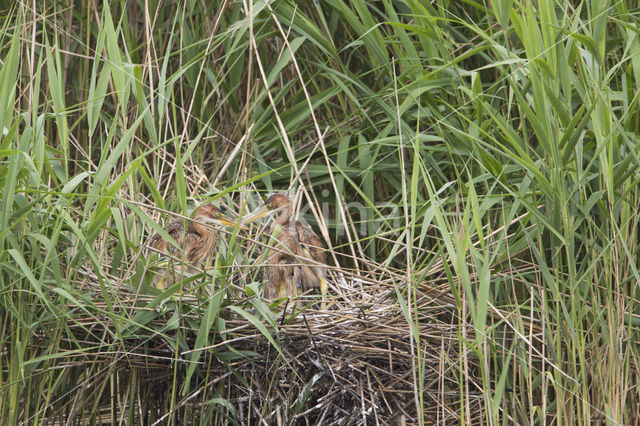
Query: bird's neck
{"points": [[284, 218], [198, 228]]}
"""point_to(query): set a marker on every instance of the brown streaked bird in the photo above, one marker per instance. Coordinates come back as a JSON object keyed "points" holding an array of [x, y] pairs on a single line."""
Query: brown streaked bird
{"points": [[196, 243], [297, 258]]}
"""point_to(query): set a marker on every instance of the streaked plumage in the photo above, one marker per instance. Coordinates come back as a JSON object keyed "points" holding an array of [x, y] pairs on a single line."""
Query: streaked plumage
{"points": [[196, 243], [295, 262]]}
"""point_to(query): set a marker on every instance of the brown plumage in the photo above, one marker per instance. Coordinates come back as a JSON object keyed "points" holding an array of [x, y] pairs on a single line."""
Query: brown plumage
{"points": [[196, 243], [288, 268], [312, 248]]}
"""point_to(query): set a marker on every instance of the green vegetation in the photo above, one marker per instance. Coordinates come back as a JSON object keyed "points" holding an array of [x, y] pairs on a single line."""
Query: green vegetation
{"points": [[472, 165]]}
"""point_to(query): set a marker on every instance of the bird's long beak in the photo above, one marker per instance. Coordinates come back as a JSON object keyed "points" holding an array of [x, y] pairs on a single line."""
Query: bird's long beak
{"points": [[223, 220], [258, 214]]}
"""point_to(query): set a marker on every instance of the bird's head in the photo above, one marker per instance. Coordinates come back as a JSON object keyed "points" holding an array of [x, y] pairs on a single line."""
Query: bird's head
{"points": [[278, 201], [274, 203], [208, 213]]}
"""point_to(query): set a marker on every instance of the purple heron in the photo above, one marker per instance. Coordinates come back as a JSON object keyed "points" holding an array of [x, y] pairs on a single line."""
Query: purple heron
{"points": [[196, 243], [297, 259]]}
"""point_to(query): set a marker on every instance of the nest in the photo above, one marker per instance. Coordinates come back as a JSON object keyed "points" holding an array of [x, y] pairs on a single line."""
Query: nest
{"points": [[382, 351], [356, 362]]}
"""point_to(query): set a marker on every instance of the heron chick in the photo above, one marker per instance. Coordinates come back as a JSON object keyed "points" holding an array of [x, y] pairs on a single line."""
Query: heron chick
{"points": [[196, 242], [297, 260]]}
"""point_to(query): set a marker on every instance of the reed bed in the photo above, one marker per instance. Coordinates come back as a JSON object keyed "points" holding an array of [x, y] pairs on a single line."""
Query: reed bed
{"points": [[472, 168]]}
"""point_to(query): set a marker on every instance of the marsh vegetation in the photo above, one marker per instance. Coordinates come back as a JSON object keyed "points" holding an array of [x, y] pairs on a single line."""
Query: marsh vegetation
{"points": [[471, 167]]}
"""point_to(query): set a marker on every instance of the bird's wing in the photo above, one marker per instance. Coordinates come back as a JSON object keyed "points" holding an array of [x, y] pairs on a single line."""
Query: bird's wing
{"points": [[311, 248], [310, 243], [175, 230]]}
